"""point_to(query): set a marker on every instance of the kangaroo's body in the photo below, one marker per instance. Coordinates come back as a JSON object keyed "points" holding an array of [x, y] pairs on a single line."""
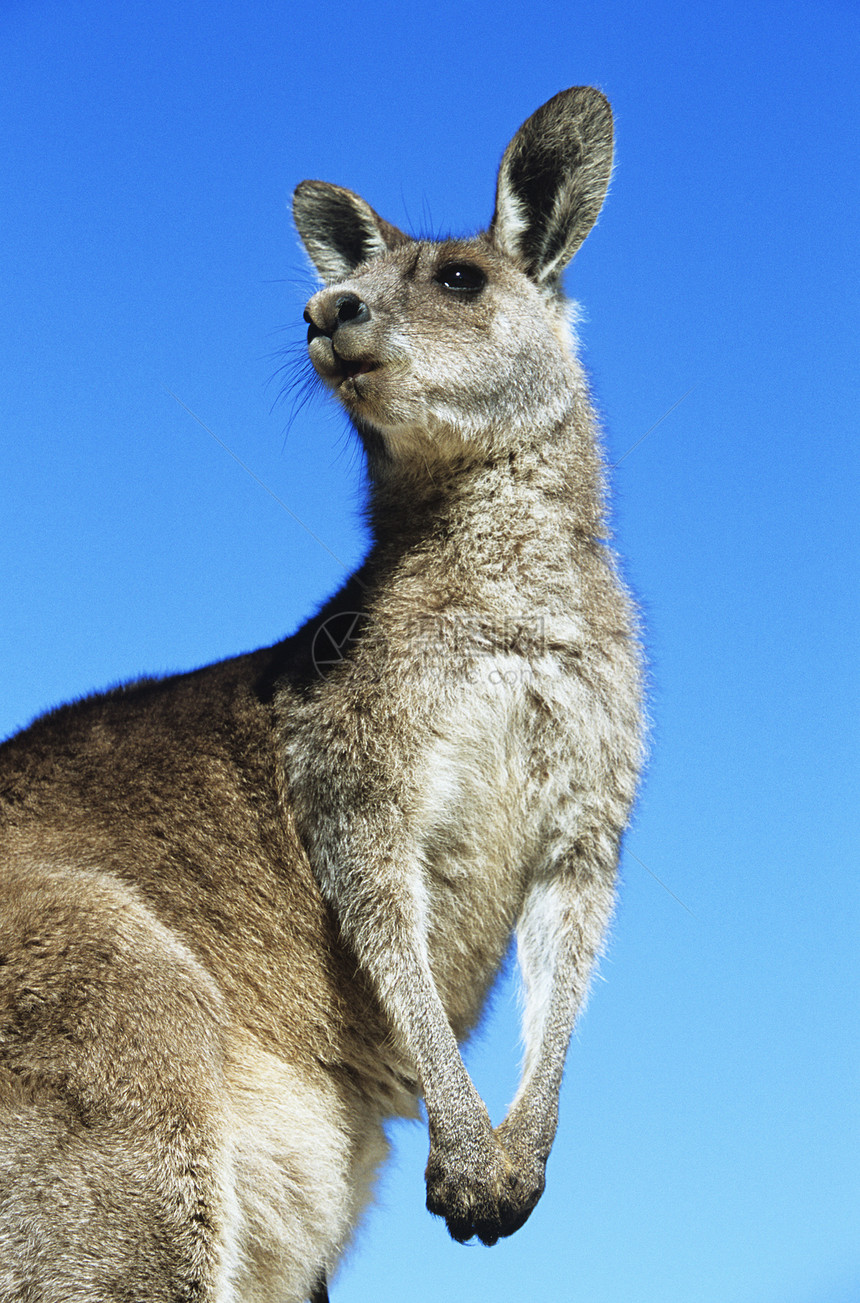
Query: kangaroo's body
{"points": [[246, 913]]}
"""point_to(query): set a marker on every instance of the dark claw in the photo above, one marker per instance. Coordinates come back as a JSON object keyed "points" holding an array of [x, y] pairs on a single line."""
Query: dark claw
{"points": [[460, 1229]]}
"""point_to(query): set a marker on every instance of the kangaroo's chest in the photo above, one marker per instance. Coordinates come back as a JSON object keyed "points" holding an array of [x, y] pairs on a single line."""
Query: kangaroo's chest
{"points": [[497, 799]]}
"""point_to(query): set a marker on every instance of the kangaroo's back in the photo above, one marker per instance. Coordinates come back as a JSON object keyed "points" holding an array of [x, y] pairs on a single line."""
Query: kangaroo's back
{"points": [[249, 912]]}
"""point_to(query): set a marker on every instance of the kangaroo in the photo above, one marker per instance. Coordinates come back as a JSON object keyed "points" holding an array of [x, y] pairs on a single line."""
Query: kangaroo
{"points": [[248, 913]]}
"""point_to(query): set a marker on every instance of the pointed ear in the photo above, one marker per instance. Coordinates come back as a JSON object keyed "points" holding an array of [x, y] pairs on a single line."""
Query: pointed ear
{"points": [[552, 182], [339, 230]]}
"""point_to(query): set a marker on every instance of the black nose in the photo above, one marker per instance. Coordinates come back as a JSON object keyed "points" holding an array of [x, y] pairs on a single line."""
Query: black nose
{"points": [[349, 307], [345, 309]]}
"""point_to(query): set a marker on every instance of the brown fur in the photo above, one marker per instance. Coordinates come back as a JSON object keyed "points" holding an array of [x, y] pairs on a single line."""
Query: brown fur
{"points": [[247, 913]]}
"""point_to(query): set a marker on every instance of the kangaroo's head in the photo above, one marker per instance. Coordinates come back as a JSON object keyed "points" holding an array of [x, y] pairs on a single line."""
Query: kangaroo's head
{"points": [[457, 345]]}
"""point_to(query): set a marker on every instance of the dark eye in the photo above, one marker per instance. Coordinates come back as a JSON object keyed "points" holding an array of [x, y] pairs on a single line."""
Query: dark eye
{"points": [[464, 277]]}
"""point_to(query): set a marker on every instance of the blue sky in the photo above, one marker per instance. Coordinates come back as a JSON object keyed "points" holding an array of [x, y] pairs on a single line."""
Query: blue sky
{"points": [[709, 1145]]}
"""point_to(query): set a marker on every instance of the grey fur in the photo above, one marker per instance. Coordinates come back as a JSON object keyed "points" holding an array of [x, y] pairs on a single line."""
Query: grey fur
{"points": [[247, 913]]}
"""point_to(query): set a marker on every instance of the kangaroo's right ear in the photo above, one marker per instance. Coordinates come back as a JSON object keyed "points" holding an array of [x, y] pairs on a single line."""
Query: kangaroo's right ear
{"points": [[552, 182], [339, 230]]}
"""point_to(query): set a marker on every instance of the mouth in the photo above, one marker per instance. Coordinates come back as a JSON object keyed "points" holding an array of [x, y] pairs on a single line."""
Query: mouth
{"points": [[350, 369], [347, 376], [337, 370]]}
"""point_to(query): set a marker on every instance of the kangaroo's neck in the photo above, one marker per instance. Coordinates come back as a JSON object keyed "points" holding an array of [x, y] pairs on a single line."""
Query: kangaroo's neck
{"points": [[466, 520]]}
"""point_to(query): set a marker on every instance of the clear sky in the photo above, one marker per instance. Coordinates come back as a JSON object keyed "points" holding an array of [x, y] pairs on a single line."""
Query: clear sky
{"points": [[708, 1150]]}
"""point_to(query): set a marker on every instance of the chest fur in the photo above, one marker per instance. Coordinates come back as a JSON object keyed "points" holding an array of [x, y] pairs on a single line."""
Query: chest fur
{"points": [[497, 800]]}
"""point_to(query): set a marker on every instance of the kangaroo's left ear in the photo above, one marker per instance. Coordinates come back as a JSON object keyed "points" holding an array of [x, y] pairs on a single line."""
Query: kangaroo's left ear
{"points": [[339, 229], [552, 182]]}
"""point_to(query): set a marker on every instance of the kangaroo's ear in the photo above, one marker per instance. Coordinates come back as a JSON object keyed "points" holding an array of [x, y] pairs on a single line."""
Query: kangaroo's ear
{"points": [[552, 182], [339, 230]]}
